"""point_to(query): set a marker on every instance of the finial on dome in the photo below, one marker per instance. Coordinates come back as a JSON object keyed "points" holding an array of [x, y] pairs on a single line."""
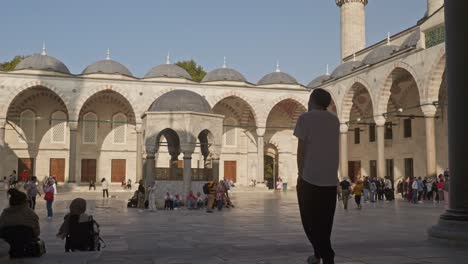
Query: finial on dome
{"points": [[328, 72], [168, 58], [44, 53], [224, 63], [108, 54], [278, 66]]}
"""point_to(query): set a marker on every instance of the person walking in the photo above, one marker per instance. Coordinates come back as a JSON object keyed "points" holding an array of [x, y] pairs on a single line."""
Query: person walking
{"points": [[141, 195], [388, 190], [373, 191], [13, 179], [357, 191], [414, 191], [366, 189], [92, 184], [32, 192], [152, 197], [318, 132], [105, 188], [345, 187], [49, 196]]}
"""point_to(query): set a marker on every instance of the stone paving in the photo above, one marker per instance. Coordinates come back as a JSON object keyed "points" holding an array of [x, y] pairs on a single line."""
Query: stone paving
{"points": [[263, 228]]}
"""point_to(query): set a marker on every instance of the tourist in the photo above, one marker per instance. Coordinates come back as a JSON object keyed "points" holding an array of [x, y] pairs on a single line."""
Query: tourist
{"points": [[388, 190], [25, 176], [168, 201], [13, 179], [227, 188], [345, 187], [105, 188], [48, 189], [420, 189], [15, 219], [318, 130], [380, 189], [220, 192], [141, 195], [200, 201], [152, 196], [435, 193], [32, 192], [129, 184], [366, 189], [279, 184], [191, 201], [440, 187], [414, 191], [429, 185], [357, 191], [404, 190], [92, 184], [123, 184], [79, 229], [177, 202], [55, 185], [212, 185], [446, 190], [373, 191]]}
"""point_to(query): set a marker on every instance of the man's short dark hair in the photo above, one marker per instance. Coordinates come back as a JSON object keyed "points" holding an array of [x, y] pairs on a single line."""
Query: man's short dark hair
{"points": [[320, 97]]}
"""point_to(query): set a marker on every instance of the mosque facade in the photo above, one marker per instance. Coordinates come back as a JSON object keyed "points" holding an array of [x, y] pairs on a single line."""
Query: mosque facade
{"points": [[390, 98]]}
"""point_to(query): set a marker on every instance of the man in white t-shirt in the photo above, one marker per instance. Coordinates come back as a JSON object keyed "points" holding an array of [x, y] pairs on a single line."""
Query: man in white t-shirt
{"points": [[318, 132]]}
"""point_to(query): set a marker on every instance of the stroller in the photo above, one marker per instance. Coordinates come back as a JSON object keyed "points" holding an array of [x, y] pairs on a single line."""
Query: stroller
{"points": [[133, 202]]}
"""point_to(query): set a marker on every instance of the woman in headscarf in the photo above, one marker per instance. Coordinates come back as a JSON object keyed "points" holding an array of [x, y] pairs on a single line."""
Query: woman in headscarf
{"points": [[79, 229]]}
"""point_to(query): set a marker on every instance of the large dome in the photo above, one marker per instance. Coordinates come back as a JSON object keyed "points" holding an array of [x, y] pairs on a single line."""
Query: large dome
{"points": [[277, 78], [318, 81], [345, 68], [168, 71], [181, 101], [42, 63], [224, 74], [379, 54], [107, 67]]}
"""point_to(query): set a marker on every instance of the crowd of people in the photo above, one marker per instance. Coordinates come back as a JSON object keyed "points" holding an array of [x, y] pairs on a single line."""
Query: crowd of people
{"points": [[417, 189]]}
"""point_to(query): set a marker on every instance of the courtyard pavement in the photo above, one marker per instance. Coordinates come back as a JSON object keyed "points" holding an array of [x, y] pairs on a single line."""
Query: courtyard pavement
{"points": [[264, 228]]}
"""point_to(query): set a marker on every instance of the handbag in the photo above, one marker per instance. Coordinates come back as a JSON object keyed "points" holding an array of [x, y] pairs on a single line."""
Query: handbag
{"points": [[35, 248], [49, 196]]}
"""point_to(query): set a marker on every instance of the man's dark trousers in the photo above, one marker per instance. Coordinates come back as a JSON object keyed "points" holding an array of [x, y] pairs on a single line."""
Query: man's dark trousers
{"points": [[317, 206]]}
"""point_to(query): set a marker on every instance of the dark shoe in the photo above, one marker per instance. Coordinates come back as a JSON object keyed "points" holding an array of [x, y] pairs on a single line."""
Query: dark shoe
{"points": [[313, 260]]}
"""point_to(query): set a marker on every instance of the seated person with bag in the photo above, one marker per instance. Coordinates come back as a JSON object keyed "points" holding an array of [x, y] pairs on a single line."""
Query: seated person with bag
{"points": [[19, 227], [79, 229]]}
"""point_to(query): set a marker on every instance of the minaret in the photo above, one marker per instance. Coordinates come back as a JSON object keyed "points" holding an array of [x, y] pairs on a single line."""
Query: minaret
{"points": [[433, 5], [353, 26]]}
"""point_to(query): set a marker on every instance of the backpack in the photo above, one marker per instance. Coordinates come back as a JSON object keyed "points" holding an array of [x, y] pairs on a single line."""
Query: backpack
{"points": [[83, 236], [206, 189]]}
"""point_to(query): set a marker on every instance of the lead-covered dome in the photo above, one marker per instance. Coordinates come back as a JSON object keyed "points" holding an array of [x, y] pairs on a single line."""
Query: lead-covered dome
{"points": [[380, 54], [345, 68], [107, 66], [42, 62], [181, 101], [168, 71], [318, 81], [277, 78], [224, 74]]}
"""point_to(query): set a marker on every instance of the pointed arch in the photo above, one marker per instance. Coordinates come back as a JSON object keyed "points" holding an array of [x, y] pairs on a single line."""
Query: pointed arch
{"points": [[255, 112], [349, 95], [436, 77]]}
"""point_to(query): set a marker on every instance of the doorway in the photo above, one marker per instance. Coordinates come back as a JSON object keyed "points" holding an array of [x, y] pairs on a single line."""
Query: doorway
{"points": [[230, 170], [118, 170], [88, 170], [57, 169], [271, 174]]}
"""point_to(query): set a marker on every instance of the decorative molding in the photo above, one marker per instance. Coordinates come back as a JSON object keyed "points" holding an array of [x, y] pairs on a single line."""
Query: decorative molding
{"points": [[342, 2]]}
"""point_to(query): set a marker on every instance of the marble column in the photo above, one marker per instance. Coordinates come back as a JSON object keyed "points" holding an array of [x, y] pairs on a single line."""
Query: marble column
{"points": [[187, 173], [139, 155], [150, 165], [344, 151], [260, 155], [380, 127], [215, 166], [72, 151], [431, 159], [453, 224], [2, 144]]}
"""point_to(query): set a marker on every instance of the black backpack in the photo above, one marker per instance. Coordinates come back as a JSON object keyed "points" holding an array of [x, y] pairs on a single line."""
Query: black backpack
{"points": [[206, 189], [82, 236]]}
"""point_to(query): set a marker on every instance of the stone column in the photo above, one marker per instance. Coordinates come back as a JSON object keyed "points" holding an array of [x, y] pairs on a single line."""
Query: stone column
{"points": [[2, 144], [215, 166], [187, 173], [150, 165], [72, 151], [260, 155], [353, 26], [453, 224], [139, 155], [380, 127], [431, 159], [344, 151]]}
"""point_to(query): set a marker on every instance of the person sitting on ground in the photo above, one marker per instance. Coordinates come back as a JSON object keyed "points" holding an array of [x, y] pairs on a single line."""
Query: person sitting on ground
{"points": [[200, 201], [129, 184], [191, 201], [80, 231], [123, 184], [92, 184], [168, 202], [19, 224], [177, 202]]}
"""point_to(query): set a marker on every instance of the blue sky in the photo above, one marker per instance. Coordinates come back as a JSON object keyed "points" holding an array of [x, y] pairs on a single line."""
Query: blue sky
{"points": [[304, 35]]}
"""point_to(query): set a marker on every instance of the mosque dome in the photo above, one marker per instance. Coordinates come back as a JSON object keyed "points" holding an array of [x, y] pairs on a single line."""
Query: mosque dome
{"points": [[277, 78], [107, 66], [379, 54], [168, 71], [42, 62], [345, 68], [224, 74], [181, 101], [412, 40], [318, 81]]}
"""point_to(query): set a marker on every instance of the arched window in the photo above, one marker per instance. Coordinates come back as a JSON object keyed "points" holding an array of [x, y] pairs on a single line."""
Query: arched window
{"points": [[230, 132], [119, 128], [90, 128], [28, 126], [58, 127]]}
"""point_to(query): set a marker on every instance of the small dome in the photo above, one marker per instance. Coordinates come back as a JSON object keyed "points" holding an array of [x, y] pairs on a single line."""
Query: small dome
{"points": [[277, 78], [224, 74], [379, 54], [107, 67], [345, 68], [42, 63], [412, 40], [168, 71], [318, 81], [181, 101]]}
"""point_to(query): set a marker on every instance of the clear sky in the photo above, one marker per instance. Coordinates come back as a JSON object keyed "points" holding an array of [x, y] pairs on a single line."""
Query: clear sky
{"points": [[304, 35]]}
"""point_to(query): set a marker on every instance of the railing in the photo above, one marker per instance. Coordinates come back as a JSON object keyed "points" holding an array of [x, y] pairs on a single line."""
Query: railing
{"points": [[164, 174]]}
